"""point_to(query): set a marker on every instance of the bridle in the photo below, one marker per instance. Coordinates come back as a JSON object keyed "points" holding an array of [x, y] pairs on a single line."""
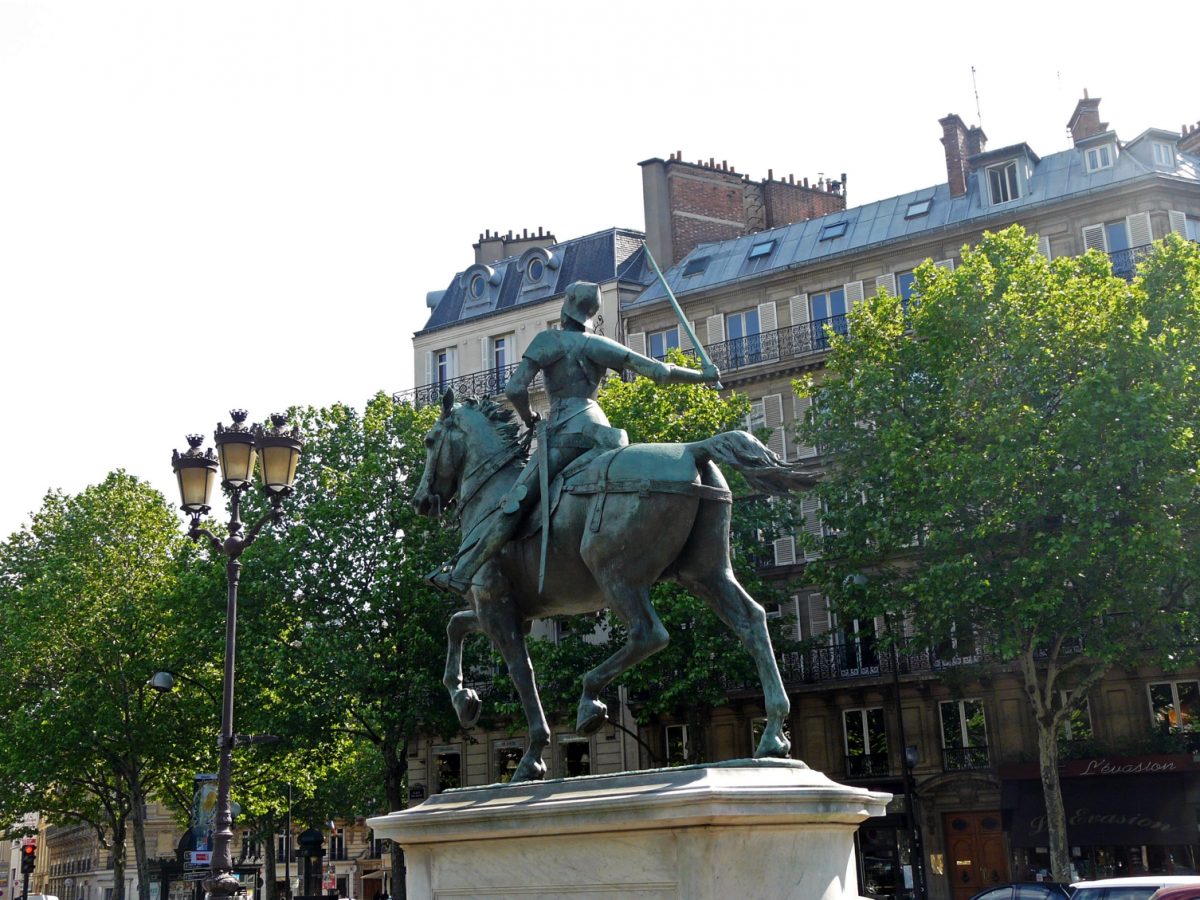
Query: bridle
{"points": [[476, 479]]}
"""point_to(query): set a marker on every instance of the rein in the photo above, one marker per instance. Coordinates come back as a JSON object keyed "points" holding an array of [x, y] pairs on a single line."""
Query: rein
{"points": [[486, 471]]}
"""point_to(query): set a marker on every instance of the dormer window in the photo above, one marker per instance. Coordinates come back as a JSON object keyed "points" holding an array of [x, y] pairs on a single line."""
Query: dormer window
{"points": [[477, 287], [535, 271], [1003, 184], [1098, 158], [918, 208], [1164, 154], [695, 266], [832, 230], [762, 248]]}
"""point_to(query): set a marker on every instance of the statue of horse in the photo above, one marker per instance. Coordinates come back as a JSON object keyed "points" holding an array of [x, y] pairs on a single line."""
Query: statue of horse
{"points": [[627, 519]]}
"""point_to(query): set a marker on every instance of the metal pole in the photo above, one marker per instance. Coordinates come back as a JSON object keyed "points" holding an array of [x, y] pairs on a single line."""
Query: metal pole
{"points": [[684, 324], [25, 892]]}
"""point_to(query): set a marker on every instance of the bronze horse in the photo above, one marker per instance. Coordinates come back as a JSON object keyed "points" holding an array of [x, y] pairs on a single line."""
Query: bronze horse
{"points": [[629, 518]]}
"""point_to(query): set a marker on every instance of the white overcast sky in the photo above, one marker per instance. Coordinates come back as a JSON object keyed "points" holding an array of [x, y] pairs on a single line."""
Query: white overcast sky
{"points": [[215, 204]]}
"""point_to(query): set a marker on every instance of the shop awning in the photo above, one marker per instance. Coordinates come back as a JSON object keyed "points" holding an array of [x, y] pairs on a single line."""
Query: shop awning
{"points": [[1128, 809]]}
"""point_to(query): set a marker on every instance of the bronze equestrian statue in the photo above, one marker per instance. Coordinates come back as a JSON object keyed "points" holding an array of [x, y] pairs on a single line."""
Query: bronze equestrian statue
{"points": [[615, 519]]}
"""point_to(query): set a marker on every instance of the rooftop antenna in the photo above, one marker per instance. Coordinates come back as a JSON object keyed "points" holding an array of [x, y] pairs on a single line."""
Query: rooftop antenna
{"points": [[975, 86]]}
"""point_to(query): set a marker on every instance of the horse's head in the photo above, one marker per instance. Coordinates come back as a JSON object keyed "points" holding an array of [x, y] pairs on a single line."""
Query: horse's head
{"points": [[444, 453]]}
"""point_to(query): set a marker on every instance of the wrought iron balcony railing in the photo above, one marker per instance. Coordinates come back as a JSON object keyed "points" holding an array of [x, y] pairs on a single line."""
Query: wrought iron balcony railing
{"points": [[729, 356], [867, 765], [957, 759], [1124, 262]]}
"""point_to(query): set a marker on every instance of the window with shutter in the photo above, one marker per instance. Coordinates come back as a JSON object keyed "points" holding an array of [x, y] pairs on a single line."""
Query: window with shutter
{"points": [[819, 620], [768, 323], [1094, 239], [685, 342], [1044, 246], [715, 326], [945, 264], [798, 308], [1139, 229], [810, 515], [800, 408], [659, 342], [887, 283], [785, 551], [636, 342], [773, 419], [1178, 222], [854, 293]]}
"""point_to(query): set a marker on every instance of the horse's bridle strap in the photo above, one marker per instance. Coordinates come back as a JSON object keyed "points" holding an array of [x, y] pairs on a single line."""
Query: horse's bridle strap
{"points": [[485, 470]]}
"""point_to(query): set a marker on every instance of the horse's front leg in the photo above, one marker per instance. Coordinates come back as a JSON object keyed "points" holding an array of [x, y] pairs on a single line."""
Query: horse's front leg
{"points": [[631, 604], [505, 626], [465, 700]]}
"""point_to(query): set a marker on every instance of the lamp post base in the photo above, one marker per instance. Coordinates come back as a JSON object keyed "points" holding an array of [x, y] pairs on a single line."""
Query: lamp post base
{"points": [[223, 885]]}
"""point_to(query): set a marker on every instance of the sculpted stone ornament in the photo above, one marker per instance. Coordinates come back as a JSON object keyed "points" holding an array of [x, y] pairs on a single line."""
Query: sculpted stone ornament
{"points": [[614, 519]]}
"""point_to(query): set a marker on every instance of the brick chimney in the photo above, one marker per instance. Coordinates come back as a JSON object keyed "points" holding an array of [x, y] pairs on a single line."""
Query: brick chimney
{"points": [[976, 141], [690, 203], [1189, 138], [1085, 121], [954, 139]]}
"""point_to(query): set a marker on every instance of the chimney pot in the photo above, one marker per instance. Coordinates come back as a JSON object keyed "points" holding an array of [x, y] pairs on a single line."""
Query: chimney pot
{"points": [[806, 181]]}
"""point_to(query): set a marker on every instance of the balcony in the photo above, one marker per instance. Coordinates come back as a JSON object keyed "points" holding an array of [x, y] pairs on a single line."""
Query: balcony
{"points": [[789, 343], [960, 759], [867, 765], [1124, 262], [477, 384], [793, 342]]}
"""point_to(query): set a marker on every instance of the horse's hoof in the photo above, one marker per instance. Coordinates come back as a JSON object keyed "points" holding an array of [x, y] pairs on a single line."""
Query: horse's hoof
{"points": [[773, 747], [592, 716], [529, 770], [467, 706]]}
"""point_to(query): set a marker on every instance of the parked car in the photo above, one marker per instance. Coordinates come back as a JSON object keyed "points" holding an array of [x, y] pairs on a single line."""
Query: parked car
{"points": [[1140, 887], [1025, 890], [1178, 892]]}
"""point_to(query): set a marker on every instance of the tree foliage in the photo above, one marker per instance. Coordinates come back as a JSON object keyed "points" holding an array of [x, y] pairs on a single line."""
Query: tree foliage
{"points": [[91, 606], [1015, 455]]}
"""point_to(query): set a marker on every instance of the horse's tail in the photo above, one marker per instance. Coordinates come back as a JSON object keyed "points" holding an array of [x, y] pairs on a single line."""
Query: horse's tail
{"points": [[765, 471]]}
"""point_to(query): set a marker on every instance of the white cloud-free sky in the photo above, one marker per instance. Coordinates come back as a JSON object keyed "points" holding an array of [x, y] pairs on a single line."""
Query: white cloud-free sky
{"points": [[243, 202]]}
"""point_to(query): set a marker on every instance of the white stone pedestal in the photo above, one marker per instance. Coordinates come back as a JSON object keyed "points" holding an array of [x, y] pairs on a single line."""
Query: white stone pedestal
{"points": [[747, 829]]}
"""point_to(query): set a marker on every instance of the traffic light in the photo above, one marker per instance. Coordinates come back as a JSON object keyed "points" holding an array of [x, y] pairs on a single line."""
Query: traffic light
{"points": [[28, 859]]}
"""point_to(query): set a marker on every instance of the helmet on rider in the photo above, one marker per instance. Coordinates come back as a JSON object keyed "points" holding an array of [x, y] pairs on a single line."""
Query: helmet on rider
{"points": [[582, 303]]}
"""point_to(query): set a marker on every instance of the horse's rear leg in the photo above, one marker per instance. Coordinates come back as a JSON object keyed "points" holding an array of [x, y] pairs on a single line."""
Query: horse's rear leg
{"points": [[742, 613], [631, 604], [465, 700]]}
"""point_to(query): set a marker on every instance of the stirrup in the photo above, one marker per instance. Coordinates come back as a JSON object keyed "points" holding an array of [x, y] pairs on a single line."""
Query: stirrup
{"points": [[443, 578]]}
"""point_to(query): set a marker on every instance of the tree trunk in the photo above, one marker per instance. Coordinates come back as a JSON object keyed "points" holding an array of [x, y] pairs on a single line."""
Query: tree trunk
{"points": [[137, 805], [1056, 816], [395, 771], [267, 829], [118, 852]]}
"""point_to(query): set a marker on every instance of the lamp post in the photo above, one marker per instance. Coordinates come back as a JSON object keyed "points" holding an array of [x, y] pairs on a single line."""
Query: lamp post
{"points": [[278, 453]]}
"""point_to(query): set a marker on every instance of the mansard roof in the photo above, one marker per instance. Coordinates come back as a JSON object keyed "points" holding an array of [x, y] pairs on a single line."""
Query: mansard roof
{"points": [[1055, 178], [615, 253]]}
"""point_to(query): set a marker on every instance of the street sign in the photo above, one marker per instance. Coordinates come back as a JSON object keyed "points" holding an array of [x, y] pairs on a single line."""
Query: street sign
{"points": [[201, 857]]}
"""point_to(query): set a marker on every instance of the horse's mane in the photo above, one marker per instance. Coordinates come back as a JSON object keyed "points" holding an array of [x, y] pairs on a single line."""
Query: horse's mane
{"points": [[501, 418]]}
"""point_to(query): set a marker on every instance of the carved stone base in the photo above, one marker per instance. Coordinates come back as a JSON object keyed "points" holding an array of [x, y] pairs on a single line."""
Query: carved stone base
{"points": [[747, 829]]}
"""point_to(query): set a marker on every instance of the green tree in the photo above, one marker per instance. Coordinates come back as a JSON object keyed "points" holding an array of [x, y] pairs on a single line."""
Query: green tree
{"points": [[90, 601], [1016, 454], [368, 635]]}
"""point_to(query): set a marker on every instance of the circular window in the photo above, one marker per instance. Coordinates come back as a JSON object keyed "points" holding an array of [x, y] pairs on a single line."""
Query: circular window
{"points": [[535, 270], [478, 283]]}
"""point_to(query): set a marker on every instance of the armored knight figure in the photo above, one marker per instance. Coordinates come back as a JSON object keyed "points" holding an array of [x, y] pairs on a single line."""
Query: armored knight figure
{"points": [[573, 362]]}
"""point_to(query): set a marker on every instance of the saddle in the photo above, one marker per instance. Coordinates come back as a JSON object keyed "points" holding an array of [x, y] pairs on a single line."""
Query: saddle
{"points": [[591, 474]]}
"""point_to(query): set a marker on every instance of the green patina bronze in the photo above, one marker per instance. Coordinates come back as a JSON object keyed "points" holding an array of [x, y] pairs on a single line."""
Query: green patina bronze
{"points": [[619, 519]]}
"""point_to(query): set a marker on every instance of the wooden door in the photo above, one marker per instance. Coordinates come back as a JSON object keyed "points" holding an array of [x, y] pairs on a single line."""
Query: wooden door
{"points": [[975, 852]]}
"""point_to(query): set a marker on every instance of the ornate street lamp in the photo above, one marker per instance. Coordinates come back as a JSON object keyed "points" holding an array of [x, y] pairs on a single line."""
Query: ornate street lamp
{"points": [[278, 453]]}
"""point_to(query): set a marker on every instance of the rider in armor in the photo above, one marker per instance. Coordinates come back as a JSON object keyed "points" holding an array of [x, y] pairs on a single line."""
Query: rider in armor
{"points": [[573, 362]]}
